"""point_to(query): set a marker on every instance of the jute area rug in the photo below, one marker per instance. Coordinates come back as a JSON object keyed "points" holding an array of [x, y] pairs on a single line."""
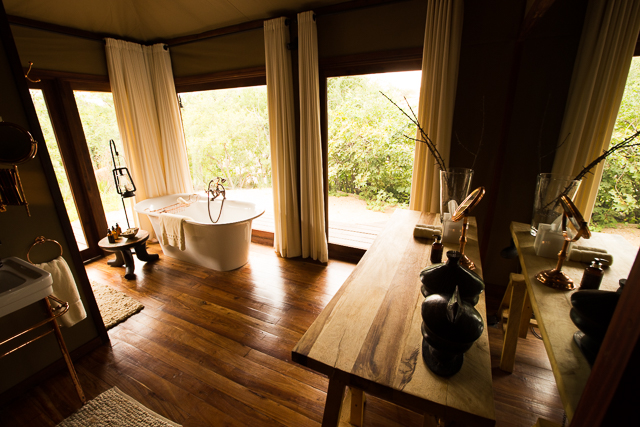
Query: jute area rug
{"points": [[114, 408], [115, 307]]}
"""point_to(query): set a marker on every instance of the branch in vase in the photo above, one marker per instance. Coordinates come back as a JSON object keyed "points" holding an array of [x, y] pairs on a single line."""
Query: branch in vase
{"points": [[425, 138], [626, 143]]}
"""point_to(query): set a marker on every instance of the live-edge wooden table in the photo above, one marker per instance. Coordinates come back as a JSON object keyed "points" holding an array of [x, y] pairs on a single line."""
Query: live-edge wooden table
{"points": [[368, 337], [122, 248], [551, 307]]}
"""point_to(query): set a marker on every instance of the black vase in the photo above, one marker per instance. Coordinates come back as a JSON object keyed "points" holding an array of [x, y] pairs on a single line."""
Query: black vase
{"points": [[444, 278], [592, 312], [450, 326]]}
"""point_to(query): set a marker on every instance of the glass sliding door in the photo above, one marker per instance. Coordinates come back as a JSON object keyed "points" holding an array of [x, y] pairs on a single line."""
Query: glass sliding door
{"points": [[99, 124], [370, 160], [59, 168], [227, 135]]}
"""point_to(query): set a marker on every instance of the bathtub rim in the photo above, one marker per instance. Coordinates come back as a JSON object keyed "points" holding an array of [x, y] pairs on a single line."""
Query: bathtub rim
{"points": [[259, 207]]}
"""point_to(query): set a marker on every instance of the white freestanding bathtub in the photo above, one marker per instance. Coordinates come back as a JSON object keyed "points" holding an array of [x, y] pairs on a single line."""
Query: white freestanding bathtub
{"points": [[222, 246]]}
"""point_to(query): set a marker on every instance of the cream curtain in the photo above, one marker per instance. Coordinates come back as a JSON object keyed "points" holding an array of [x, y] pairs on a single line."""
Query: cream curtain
{"points": [[600, 72], [312, 218], [148, 119], [437, 98], [284, 175]]}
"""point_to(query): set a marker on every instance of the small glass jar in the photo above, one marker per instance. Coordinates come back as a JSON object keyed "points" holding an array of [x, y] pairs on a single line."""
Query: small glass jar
{"points": [[592, 276], [436, 250]]}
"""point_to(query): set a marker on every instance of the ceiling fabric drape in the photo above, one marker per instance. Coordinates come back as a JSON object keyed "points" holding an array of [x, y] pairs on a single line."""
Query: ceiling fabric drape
{"points": [[280, 102], [440, 59], [148, 120], [600, 72], [312, 209]]}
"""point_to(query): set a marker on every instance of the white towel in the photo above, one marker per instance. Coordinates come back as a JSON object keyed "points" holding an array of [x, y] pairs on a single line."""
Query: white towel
{"points": [[172, 227], [427, 231], [64, 288]]}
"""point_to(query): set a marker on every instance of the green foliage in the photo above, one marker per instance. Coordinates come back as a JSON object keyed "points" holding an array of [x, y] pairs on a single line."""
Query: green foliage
{"points": [[368, 154], [227, 133], [99, 125], [619, 192]]}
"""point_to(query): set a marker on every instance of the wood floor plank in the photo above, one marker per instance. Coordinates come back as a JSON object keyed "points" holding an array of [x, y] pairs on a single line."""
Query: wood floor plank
{"points": [[214, 348], [278, 387], [195, 364]]}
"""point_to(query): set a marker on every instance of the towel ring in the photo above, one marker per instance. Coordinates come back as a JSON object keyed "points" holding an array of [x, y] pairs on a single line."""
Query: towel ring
{"points": [[41, 240]]}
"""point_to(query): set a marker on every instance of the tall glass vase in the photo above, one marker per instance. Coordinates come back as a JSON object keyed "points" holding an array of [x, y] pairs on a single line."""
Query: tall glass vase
{"points": [[455, 185], [546, 204]]}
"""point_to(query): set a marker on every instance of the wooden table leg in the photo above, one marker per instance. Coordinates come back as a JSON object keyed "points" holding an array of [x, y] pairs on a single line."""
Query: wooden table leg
{"points": [[143, 255], [525, 321], [118, 261], [518, 294], [129, 264], [332, 406], [357, 406]]}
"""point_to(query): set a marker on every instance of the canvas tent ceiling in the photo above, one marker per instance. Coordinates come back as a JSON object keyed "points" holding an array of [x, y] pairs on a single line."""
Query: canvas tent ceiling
{"points": [[145, 20]]}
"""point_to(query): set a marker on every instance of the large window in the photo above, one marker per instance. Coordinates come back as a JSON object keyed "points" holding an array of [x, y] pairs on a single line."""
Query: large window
{"points": [[99, 124], [227, 135], [370, 159], [58, 166], [617, 207]]}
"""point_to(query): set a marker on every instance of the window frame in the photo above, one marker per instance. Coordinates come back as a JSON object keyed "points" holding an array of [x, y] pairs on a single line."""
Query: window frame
{"points": [[57, 89]]}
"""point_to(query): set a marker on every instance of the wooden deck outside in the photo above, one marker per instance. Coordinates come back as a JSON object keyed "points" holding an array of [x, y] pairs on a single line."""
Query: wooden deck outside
{"points": [[349, 234]]}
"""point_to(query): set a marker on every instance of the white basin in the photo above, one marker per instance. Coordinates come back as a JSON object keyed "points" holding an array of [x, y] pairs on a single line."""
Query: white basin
{"points": [[22, 284]]}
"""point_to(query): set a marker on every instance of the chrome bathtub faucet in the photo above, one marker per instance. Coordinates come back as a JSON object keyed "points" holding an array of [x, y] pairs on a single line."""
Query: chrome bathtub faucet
{"points": [[218, 190]]}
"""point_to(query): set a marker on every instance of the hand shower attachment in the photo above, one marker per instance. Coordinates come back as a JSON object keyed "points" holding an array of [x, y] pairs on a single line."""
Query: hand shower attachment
{"points": [[212, 194]]}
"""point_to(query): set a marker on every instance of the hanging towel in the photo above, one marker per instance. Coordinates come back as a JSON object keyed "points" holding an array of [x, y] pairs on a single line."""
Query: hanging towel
{"points": [[173, 230], [64, 288]]}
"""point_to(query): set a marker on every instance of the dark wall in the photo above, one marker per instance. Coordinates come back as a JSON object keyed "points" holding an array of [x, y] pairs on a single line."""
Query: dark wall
{"points": [[511, 91], [18, 232], [521, 84]]}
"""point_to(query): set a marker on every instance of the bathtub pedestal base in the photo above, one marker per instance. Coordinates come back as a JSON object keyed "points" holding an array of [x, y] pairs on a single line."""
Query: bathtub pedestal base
{"points": [[122, 249]]}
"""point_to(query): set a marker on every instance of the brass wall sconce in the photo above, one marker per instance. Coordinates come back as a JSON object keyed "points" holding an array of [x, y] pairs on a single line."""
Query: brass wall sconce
{"points": [[462, 212], [556, 278]]}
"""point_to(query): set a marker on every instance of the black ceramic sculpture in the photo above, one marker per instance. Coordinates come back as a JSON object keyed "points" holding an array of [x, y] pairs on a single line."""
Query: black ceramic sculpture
{"points": [[592, 312], [443, 279], [450, 326]]}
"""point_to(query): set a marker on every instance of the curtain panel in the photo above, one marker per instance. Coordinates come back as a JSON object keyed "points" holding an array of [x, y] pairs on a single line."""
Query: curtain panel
{"points": [[312, 209], [440, 58], [148, 120], [600, 73], [280, 103]]}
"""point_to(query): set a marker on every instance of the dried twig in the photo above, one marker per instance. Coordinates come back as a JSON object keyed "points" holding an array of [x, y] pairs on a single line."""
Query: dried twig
{"points": [[626, 143], [424, 137]]}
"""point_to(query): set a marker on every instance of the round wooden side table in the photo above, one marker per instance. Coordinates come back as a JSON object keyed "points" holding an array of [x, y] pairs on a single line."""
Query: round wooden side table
{"points": [[122, 248]]}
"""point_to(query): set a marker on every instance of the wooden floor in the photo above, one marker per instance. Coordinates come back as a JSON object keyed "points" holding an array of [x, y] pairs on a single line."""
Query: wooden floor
{"points": [[214, 349]]}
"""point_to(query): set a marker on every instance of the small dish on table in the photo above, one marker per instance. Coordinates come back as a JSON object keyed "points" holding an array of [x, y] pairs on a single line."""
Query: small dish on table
{"points": [[129, 233]]}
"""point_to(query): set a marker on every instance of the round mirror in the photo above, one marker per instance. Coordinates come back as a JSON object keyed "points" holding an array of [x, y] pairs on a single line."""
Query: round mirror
{"points": [[576, 220], [16, 144], [469, 203]]}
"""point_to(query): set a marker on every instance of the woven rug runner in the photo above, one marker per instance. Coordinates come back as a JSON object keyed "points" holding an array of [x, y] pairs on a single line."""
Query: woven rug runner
{"points": [[115, 408], [115, 307]]}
